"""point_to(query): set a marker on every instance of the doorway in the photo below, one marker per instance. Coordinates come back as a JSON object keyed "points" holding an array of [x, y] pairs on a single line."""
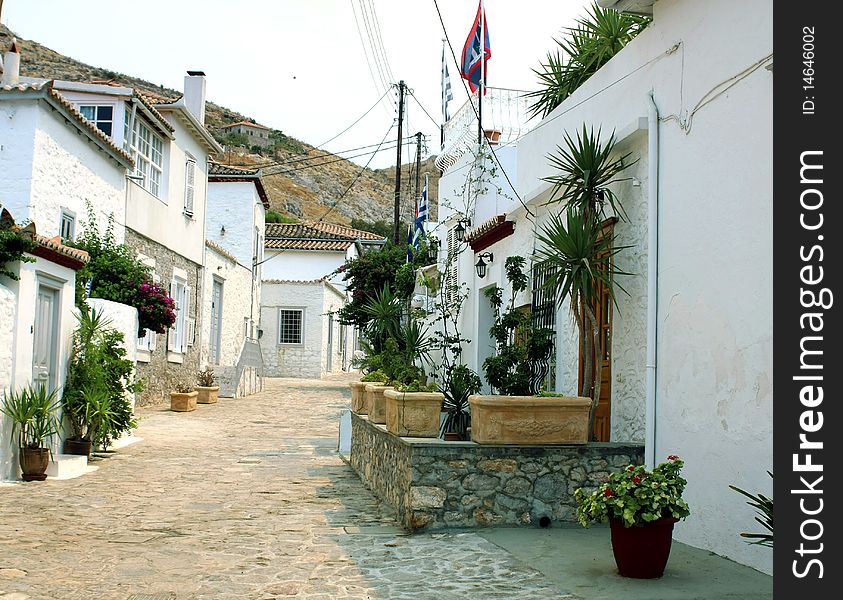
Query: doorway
{"points": [[45, 335], [216, 322]]}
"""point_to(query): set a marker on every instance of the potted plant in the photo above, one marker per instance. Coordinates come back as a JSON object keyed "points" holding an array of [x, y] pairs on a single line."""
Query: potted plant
{"points": [[518, 414], [641, 507], [413, 409], [33, 413], [95, 398], [461, 382], [183, 399], [207, 391]]}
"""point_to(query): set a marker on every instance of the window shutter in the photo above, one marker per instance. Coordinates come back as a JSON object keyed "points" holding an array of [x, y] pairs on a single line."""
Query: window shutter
{"points": [[189, 186], [185, 339], [171, 332]]}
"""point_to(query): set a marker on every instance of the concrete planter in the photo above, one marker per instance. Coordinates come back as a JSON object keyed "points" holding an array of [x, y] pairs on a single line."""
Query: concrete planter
{"points": [[529, 419], [358, 396], [376, 403], [207, 395], [180, 402], [413, 414]]}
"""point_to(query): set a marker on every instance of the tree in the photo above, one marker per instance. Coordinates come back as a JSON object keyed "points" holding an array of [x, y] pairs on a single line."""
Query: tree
{"points": [[578, 251]]}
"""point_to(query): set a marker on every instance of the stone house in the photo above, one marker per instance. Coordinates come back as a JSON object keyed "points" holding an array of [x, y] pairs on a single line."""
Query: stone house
{"points": [[687, 368], [165, 209], [300, 329], [257, 135], [234, 240]]}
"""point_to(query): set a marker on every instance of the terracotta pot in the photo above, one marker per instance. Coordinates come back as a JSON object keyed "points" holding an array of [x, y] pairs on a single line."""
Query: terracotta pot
{"points": [[493, 135], [452, 436], [207, 395], [642, 552], [183, 402], [526, 420], [413, 414], [77, 447], [358, 397], [33, 463], [376, 403]]}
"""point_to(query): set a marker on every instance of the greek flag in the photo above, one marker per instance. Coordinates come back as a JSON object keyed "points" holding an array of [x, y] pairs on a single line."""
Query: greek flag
{"points": [[447, 95]]}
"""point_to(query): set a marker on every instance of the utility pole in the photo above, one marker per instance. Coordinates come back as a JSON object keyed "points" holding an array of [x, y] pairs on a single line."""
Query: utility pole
{"points": [[418, 163], [397, 215]]}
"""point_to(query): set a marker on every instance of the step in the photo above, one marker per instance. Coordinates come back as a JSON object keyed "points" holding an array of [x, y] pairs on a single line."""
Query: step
{"points": [[68, 466]]}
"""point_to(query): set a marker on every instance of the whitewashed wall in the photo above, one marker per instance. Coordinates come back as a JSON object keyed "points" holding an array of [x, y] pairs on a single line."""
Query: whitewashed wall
{"points": [[7, 365], [292, 265], [236, 206], [237, 294], [25, 292], [333, 301], [714, 391], [46, 166], [305, 360], [163, 219]]}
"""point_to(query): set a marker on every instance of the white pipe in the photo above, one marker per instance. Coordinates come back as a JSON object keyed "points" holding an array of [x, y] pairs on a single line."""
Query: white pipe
{"points": [[652, 279]]}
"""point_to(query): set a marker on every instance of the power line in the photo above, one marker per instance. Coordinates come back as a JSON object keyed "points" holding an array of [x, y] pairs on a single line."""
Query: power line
{"points": [[379, 84], [380, 40], [377, 58], [421, 106], [337, 201], [326, 154], [391, 146], [363, 116]]}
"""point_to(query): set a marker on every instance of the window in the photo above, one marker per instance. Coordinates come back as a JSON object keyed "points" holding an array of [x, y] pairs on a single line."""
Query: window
{"points": [[67, 226], [101, 116], [147, 148], [189, 184], [178, 339], [290, 325]]}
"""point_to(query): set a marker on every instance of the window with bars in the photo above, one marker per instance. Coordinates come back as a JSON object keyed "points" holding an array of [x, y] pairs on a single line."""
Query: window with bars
{"points": [[290, 325], [543, 312], [147, 148], [101, 116]]}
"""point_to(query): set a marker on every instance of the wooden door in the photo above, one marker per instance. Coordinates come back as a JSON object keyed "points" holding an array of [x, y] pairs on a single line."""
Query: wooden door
{"points": [[216, 322], [45, 337]]}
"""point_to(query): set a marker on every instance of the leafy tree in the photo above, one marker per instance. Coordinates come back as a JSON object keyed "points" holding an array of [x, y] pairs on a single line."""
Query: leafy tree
{"points": [[380, 227], [273, 216]]}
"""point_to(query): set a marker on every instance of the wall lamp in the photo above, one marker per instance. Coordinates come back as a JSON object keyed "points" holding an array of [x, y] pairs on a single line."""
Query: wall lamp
{"points": [[459, 230], [480, 265]]}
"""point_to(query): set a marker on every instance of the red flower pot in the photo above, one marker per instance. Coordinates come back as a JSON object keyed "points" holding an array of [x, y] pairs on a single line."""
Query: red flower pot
{"points": [[642, 552]]}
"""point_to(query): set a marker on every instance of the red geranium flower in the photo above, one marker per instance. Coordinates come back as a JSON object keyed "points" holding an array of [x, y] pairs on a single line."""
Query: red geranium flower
{"points": [[608, 492], [630, 468], [636, 479], [672, 457]]}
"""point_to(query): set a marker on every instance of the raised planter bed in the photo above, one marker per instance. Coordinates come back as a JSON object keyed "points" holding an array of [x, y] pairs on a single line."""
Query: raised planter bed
{"points": [[434, 484], [375, 402], [358, 396], [413, 414], [529, 419]]}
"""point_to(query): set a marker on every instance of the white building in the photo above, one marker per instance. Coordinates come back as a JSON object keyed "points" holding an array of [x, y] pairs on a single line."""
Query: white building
{"points": [[165, 206], [301, 294], [234, 239], [691, 99]]}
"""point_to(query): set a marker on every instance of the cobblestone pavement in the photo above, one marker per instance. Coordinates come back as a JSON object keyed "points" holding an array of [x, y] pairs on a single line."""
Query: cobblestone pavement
{"points": [[246, 498]]}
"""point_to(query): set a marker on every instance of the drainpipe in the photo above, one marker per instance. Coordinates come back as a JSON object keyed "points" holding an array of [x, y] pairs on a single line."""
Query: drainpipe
{"points": [[652, 279]]}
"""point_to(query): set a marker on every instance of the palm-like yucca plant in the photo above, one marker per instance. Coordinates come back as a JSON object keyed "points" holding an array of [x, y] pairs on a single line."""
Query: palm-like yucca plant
{"points": [[384, 315], [585, 166], [764, 507], [583, 49], [579, 257]]}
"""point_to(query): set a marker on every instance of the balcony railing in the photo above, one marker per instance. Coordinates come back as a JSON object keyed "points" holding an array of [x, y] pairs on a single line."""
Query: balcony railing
{"points": [[504, 111]]}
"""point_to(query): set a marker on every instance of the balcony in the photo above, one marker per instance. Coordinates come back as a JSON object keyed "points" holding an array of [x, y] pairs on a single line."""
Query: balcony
{"points": [[504, 111]]}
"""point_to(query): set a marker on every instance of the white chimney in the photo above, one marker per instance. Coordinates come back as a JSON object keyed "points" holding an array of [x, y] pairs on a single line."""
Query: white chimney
{"points": [[11, 65], [194, 94]]}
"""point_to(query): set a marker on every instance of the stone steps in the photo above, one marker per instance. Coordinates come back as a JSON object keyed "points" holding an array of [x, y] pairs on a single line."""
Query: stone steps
{"points": [[68, 466]]}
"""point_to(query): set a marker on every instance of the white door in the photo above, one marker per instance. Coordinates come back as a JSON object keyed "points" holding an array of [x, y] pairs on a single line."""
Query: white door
{"points": [[45, 337], [216, 322], [330, 366]]}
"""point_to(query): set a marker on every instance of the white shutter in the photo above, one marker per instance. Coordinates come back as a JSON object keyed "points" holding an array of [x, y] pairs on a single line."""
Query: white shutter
{"points": [[184, 341], [171, 332], [189, 186]]}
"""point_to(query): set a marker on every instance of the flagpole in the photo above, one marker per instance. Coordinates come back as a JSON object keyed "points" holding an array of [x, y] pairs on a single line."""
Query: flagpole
{"points": [[482, 74]]}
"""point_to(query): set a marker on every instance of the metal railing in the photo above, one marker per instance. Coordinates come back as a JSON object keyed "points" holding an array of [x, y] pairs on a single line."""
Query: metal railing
{"points": [[505, 112]]}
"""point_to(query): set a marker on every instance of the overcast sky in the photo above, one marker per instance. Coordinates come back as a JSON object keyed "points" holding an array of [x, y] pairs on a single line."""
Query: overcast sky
{"points": [[299, 65]]}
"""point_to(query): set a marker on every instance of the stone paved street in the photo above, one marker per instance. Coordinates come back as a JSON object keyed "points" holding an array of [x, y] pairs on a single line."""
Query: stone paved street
{"points": [[243, 499]]}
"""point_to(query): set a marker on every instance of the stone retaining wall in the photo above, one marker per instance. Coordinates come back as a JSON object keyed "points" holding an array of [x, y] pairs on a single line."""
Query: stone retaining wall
{"points": [[434, 484]]}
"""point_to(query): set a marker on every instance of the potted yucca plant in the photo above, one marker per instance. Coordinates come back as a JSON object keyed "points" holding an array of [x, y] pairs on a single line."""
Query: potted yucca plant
{"points": [[34, 415], [183, 398], [207, 388]]}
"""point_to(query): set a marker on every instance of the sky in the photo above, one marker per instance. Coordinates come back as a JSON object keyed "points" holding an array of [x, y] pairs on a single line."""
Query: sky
{"points": [[303, 66]]}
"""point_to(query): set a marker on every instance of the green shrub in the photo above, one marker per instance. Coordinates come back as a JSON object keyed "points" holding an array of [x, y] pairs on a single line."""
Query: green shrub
{"points": [[13, 248]]}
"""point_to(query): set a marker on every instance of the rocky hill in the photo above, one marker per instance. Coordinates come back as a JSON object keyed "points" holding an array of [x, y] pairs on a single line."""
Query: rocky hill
{"points": [[302, 193]]}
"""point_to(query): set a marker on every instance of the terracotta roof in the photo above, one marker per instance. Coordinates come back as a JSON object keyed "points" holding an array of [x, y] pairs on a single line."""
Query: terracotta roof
{"points": [[149, 102], [222, 173], [47, 87], [51, 249], [342, 230], [218, 169], [295, 281], [249, 123], [220, 250], [489, 232], [323, 245]]}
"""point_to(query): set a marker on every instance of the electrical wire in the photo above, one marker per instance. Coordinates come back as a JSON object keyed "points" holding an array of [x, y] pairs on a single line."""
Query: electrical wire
{"points": [[421, 106], [337, 201], [379, 84], [326, 154], [380, 40], [391, 146], [360, 118]]}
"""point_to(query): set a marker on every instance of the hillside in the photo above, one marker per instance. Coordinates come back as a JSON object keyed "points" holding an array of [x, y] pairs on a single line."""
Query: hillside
{"points": [[303, 194]]}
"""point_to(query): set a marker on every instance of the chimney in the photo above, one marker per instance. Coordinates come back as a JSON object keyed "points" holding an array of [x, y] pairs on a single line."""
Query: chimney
{"points": [[194, 94], [11, 65]]}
